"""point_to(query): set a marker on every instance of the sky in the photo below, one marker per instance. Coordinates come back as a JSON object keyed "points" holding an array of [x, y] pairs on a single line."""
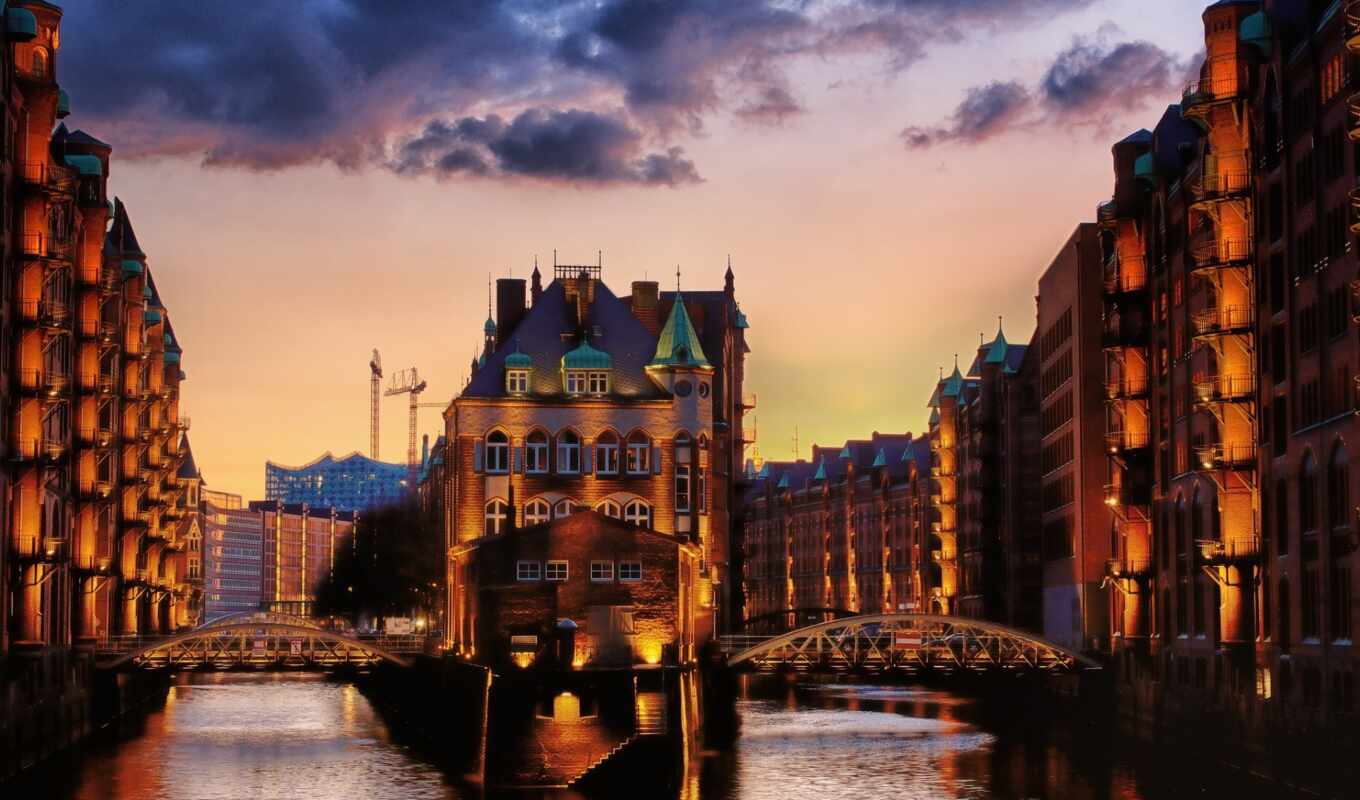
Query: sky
{"points": [[315, 179]]}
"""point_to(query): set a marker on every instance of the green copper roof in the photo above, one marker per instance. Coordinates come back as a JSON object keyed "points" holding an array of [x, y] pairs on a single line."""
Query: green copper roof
{"points": [[587, 357], [63, 104], [171, 358], [881, 460], [87, 166], [784, 481], [518, 360], [953, 385], [741, 320], [935, 417], [490, 326], [151, 317], [1255, 30], [821, 471], [909, 454], [845, 452], [678, 345], [1145, 167], [132, 266], [764, 470], [20, 24], [997, 353], [146, 291]]}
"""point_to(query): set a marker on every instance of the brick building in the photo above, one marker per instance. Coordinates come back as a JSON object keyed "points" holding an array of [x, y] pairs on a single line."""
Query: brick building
{"points": [[298, 551], [585, 401]]}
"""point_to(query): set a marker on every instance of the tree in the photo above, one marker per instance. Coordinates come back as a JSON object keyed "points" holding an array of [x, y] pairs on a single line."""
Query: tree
{"points": [[392, 566]]}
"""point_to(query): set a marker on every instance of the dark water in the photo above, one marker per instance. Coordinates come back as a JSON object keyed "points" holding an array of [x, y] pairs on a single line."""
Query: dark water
{"points": [[289, 736]]}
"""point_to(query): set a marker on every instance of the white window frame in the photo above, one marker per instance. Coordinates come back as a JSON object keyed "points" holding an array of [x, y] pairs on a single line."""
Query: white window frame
{"points": [[568, 453], [630, 571], [496, 458], [496, 517], [607, 457], [527, 571], [610, 508], [517, 381], [639, 457], [556, 571], [683, 489], [576, 381], [598, 382], [564, 508], [537, 512], [602, 572], [536, 453], [632, 516]]}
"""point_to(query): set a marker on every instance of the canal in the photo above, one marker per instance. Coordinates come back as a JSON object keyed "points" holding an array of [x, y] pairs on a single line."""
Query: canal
{"points": [[277, 735]]}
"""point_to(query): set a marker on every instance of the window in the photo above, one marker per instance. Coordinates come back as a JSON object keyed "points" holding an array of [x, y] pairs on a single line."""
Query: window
{"points": [[1338, 490], [568, 453], [497, 452], [639, 454], [39, 62], [638, 513], [537, 512], [682, 487], [1308, 495], [517, 381], [630, 570], [528, 571], [610, 509], [564, 508], [497, 518], [599, 383], [536, 453], [555, 571], [576, 382], [601, 571], [607, 454]]}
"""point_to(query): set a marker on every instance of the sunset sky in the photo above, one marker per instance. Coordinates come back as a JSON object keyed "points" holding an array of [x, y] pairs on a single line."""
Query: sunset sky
{"points": [[314, 179]]}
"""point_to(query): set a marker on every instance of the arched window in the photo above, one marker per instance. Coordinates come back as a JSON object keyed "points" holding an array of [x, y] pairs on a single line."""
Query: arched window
{"points": [[565, 508], [607, 453], [536, 453], [537, 512], [638, 513], [639, 453], [497, 518], [1308, 494], [610, 509], [568, 453], [39, 62], [1338, 489], [497, 452], [1196, 516]]}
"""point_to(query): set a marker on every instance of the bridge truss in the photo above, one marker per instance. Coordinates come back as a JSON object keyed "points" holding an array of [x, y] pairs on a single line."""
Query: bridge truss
{"points": [[903, 642], [258, 641]]}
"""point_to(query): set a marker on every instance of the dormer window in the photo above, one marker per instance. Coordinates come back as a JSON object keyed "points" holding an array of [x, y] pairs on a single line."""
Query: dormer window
{"points": [[586, 371], [517, 381], [599, 382], [576, 382]]}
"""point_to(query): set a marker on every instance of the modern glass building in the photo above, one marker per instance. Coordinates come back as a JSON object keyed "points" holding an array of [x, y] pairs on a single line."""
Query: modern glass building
{"points": [[351, 483]]}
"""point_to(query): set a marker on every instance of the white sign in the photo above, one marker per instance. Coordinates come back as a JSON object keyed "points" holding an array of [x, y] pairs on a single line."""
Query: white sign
{"points": [[295, 647]]}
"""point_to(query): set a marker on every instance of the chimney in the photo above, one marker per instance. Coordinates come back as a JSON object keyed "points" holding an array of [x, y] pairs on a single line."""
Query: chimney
{"points": [[509, 307], [645, 296]]}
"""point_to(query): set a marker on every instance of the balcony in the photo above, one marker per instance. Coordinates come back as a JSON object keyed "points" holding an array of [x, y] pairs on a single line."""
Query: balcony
{"points": [[1353, 25], [1107, 212], [1127, 387], [1221, 185], [1123, 495], [1236, 388], [1225, 456], [1355, 210], [48, 177], [92, 564], [1128, 568], [1121, 330], [1237, 550], [1223, 321], [1353, 116], [1124, 275], [1208, 252], [50, 313], [49, 383], [1200, 95], [1119, 442]]}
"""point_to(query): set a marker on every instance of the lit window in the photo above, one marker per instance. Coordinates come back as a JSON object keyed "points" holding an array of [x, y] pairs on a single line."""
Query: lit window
{"points": [[517, 381], [576, 382], [610, 509], [497, 518], [537, 512], [536, 453], [497, 452], [564, 508], [599, 383], [682, 487], [601, 571], [528, 571], [607, 454], [568, 453], [630, 570], [639, 454], [638, 513], [556, 571]]}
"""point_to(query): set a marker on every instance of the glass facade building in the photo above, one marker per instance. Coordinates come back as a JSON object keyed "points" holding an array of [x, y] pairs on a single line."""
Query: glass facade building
{"points": [[351, 483]]}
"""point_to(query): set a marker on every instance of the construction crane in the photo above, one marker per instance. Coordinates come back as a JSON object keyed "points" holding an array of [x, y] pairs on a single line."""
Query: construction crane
{"points": [[374, 366], [408, 382]]}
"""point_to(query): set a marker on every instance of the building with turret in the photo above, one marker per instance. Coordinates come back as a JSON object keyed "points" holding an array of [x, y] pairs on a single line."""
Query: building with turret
{"points": [[616, 422]]}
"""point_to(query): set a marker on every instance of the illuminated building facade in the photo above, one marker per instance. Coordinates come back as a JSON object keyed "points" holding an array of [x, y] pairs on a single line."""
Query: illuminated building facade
{"points": [[298, 551], [349, 483], [233, 552], [623, 409]]}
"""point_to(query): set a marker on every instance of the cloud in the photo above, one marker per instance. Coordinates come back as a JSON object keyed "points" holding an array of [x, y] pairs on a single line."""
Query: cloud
{"points": [[1087, 84], [574, 146], [349, 82], [986, 111]]}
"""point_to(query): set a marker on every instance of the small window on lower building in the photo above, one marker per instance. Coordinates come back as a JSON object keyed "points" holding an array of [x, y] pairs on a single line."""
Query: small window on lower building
{"points": [[556, 571], [528, 571], [630, 570], [601, 571]]}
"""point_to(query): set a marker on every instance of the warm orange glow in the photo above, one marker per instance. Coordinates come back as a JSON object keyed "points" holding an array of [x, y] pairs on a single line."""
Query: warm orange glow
{"points": [[566, 707]]}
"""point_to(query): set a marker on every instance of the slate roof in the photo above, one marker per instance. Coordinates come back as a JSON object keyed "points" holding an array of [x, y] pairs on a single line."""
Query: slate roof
{"points": [[188, 470]]}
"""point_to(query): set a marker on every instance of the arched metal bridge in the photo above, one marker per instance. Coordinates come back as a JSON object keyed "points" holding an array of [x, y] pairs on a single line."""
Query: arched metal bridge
{"points": [[904, 642], [257, 641]]}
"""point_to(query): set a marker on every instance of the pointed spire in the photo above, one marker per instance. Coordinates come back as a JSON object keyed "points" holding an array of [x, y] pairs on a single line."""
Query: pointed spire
{"points": [[729, 280], [881, 460], [821, 470], [678, 345], [999, 348]]}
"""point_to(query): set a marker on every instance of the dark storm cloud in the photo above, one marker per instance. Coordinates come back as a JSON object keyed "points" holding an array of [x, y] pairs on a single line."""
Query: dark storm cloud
{"points": [[985, 112], [575, 146], [267, 85], [1086, 85]]}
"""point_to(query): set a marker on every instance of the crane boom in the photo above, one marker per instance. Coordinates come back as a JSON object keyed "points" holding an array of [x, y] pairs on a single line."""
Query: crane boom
{"points": [[408, 382]]}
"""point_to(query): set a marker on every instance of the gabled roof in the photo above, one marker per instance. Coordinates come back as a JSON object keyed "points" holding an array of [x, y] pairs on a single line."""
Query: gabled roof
{"points": [[121, 235], [996, 351], [678, 345], [188, 470]]}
